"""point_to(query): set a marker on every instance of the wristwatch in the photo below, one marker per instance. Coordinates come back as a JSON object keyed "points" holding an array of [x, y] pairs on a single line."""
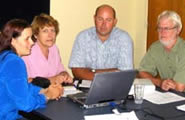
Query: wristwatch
{"points": [[93, 70]]}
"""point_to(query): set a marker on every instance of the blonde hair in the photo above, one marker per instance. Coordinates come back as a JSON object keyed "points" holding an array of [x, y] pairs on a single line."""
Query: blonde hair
{"points": [[43, 20]]}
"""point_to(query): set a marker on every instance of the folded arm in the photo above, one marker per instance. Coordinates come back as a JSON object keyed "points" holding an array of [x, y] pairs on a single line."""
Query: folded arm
{"points": [[62, 77], [163, 84], [155, 81]]}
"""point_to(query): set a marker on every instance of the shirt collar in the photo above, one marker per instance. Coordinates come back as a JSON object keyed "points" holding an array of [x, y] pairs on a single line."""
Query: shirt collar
{"points": [[109, 38]]}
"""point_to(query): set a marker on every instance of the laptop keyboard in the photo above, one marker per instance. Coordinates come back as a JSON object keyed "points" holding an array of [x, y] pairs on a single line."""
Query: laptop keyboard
{"points": [[82, 99], [81, 95]]}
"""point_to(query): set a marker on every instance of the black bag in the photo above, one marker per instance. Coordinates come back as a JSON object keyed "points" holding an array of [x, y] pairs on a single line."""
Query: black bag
{"points": [[41, 82]]}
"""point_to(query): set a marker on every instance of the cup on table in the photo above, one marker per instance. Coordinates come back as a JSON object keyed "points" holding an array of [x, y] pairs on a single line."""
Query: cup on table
{"points": [[138, 93]]}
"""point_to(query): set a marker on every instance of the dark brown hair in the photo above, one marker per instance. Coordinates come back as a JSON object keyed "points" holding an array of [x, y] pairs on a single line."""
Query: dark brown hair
{"points": [[12, 29]]}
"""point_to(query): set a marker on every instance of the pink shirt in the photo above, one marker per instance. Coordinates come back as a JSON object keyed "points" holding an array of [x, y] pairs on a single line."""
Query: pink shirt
{"points": [[38, 65]]}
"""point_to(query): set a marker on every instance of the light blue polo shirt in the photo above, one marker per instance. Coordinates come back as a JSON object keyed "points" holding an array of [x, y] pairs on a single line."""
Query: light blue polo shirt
{"points": [[90, 52]]}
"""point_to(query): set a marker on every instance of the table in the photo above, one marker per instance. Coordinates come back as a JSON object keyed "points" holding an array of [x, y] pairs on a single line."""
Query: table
{"points": [[66, 109]]}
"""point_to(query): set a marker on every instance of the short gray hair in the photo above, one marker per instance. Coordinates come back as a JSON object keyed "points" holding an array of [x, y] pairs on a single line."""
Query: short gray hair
{"points": [[173, 16]]}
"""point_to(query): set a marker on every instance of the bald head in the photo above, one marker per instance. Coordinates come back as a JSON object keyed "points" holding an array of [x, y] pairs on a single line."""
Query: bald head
{"points": [[105, 20], [108, 7]]}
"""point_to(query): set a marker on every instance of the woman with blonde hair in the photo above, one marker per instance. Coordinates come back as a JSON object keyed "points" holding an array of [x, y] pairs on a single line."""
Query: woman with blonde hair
{"points": [[44, 60]]}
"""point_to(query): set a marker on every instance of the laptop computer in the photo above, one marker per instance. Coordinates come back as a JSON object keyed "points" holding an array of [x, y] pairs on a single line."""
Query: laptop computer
{"points": [[105, 88]]}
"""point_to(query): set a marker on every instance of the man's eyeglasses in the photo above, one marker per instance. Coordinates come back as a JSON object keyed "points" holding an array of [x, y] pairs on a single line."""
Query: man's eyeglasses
{"points": [[159, 29]]}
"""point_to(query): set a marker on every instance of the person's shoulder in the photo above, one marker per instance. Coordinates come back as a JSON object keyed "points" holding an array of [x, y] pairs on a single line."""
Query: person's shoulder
{"points": [[9, 54], [11, 57], [155, 45], [121, 35], [91, 30], [86, 35], [11, 65], [180, 45], [34, 52], [54, 48], [35, 48], [119, 31], [182, 41]]}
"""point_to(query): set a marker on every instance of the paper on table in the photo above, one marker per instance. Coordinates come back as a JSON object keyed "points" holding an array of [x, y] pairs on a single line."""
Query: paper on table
{"points": [[70, 90], [181, 107], [122, 116], [163, 98], [149, 86], [85, 83]]}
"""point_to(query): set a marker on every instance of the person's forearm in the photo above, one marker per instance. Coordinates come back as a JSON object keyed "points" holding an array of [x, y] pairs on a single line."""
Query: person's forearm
{"points": [[63, 72], [52, 79], [107, 70], [83, 73], [155, 81], [180, 87], [44, 91], [88, 74]]}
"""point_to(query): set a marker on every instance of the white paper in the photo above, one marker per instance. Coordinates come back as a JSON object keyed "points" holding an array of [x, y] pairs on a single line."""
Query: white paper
{"points": [[181, 107], [70, 90], [122, 116], [163, 98], [85, 83], [149, 86]]}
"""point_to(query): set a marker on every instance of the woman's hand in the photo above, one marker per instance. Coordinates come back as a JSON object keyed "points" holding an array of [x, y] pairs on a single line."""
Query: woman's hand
{"points": [[66, 77], [54, 91], [63, 77]]}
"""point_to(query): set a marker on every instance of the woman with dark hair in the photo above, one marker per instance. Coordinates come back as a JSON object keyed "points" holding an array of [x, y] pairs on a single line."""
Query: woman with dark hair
{"points": [[15, 91]]}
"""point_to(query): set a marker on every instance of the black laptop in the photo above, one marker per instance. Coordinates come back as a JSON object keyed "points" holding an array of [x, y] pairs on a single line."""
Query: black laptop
{"points": [[105, 88]]}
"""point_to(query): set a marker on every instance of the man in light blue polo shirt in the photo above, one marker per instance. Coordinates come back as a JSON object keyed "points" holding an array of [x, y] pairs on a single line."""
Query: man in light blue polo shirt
{"points": [[103, 48]]}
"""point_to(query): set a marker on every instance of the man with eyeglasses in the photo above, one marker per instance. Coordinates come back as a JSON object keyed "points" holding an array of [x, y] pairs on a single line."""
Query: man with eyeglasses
{"points": [[164, 63]]}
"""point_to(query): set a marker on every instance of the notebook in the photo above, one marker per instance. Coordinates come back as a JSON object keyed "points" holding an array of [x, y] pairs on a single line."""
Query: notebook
{"points": [[105, 88]]}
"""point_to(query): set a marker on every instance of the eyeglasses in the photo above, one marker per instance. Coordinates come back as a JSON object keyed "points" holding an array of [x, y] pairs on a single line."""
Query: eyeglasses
{"points": [[159, 29]]}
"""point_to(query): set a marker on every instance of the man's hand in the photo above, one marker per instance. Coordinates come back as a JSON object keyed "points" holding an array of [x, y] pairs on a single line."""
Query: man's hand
{"points": [[168, 84]]}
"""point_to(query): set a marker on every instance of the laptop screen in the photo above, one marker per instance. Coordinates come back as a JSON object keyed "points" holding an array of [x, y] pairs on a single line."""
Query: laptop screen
{"points": [[110, 86], [106, 87]]}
